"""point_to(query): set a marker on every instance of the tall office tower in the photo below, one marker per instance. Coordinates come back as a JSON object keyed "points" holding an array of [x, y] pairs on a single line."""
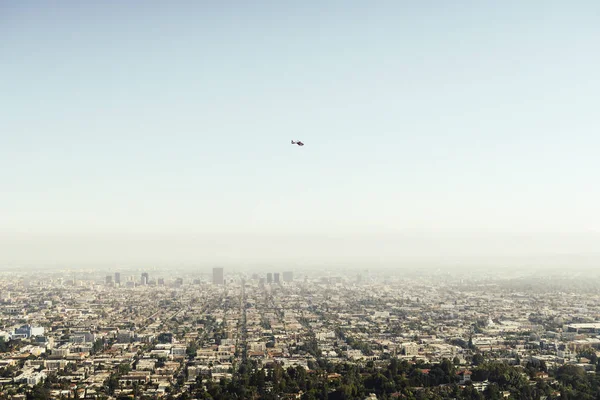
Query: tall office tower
{"points": [[161, 282], [145, 279], [288, 276], [269, 278], [117, 278], [218, 276], [179, 282], [109, 280], [276, 277]]}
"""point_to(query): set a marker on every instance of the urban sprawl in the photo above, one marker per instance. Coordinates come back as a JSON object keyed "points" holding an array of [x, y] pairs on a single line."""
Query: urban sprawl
{"points": [[294, 335]]}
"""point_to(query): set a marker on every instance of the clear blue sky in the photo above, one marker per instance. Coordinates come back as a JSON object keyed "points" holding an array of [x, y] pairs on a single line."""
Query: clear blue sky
{"points": [[176, 117]]}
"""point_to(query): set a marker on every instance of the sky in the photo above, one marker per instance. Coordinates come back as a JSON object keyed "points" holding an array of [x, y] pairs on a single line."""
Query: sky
{"points": [[469, 126]]}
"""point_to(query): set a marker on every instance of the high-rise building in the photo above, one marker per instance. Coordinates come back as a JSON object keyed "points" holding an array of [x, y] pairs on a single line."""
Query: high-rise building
{"points": [[117, 278], [288, 276], [269, 278], [218, 276], [161, 281], [145, 278], [276, 277], [109, 280]]}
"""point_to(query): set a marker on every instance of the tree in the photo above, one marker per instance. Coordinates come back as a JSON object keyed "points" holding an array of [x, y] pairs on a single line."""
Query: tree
{"points": [[39, 392], [191, 350], [112, 383], [571, 375], [98, 346], [3, 345], [492, 392], [165, 337], [477, 359], [124, 369]]}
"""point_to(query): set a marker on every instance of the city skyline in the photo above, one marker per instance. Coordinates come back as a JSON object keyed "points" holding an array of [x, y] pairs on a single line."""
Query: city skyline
{"points": [[461, 336]]}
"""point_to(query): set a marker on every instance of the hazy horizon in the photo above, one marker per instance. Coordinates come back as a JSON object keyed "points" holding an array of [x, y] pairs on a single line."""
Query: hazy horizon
{"points": [[150, 132], [303, 250]]}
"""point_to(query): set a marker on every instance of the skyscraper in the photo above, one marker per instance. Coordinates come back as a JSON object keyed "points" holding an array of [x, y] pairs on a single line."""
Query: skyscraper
{"points": [[276, 277], [145, 279], [109, 280], [269, 278], [217, 276], [117, 278], [288, 276]]}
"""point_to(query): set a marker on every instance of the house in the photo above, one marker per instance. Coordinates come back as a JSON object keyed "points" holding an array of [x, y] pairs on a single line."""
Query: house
{"points": [[333, 376], [541, 375], [465, 376]]}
